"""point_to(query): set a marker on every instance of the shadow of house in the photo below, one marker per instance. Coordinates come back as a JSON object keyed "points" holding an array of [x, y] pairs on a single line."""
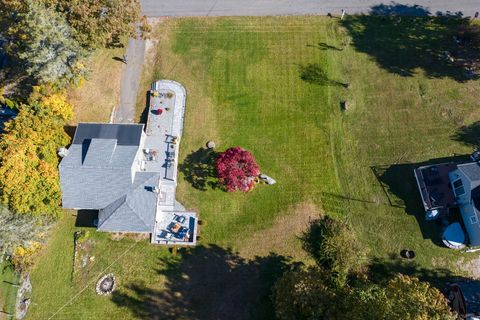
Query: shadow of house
{"points": [[86, 218], [401, 191], [208, 282], [198, 169], [144, 114], [401, 45], [70, 130]]}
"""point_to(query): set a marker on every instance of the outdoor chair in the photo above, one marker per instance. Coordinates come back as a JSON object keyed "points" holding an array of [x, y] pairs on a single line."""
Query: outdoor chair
{"points": [[165, 235], [180, 219]]}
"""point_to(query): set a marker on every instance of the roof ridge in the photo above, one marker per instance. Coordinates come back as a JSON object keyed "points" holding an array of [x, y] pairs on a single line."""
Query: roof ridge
{"points": [[135, 212], [120, 204], [155, 175]]}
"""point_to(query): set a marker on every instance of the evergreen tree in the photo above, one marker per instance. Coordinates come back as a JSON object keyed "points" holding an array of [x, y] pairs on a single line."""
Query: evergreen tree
{"points": [[42, 40]]}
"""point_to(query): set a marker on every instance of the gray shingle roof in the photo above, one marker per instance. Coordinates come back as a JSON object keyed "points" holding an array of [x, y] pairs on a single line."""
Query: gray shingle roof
{"points": [[98, 168], [122, 157], [470, 170], [99, 152], [135, 211], [93, 188]]}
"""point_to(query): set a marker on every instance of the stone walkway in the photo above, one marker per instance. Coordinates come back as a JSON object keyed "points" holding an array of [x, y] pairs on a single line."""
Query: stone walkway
{"points": [[164, 132]]}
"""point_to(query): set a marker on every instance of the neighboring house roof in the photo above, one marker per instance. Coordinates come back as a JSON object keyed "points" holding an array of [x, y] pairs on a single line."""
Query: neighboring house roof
{"points": [[471, 171], [135, 211], [97, 169], [469, 201]]}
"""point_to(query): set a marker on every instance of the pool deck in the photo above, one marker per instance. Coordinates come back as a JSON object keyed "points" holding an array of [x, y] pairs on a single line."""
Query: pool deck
{"points": [[161, 148]]}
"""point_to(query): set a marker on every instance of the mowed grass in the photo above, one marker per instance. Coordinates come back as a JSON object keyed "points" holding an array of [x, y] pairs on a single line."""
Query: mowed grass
{"points": [[60, 293], [8, 290], [95, 98], [243, 77], [244, 86]]}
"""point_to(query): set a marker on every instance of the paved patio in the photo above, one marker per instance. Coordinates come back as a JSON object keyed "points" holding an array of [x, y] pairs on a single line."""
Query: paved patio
{"points": [[164, 130]]}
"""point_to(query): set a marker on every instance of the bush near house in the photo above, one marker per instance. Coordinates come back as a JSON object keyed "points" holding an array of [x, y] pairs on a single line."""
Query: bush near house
{"points": [[335, 247], [237, 169]]}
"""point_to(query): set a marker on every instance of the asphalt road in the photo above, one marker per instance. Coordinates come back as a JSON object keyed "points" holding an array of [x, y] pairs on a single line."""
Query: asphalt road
{"points": [[130, 81], [160, 8]]}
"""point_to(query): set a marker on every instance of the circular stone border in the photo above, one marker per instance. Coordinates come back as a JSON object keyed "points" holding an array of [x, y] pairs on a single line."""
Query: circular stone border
{"points": [[104, 292]]}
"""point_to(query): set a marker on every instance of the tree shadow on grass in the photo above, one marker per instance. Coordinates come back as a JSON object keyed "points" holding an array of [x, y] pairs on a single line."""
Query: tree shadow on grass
{"points": [[314, 74], [469, 135], [208, 282], [198, 169], [324, 46], [382, 270], [401, 45]]}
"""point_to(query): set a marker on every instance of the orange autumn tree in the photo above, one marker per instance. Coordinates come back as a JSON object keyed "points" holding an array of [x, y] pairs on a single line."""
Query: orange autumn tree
{"points": [[29, 180]]}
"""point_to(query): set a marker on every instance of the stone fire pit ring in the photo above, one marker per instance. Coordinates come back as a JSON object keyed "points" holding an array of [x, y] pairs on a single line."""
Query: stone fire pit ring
{"points": [[106, 285]]}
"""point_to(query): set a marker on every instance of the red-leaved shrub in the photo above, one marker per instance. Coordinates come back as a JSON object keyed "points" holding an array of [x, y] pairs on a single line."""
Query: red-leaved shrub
{"points": [[237, 169]]}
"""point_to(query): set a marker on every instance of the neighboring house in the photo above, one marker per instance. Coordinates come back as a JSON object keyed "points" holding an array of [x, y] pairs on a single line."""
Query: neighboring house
{"points": [[465, 182], [128, 172], [446, 187]]}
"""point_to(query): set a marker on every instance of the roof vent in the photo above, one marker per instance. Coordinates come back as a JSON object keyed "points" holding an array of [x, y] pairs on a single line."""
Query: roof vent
{"points": [[62, 152]]}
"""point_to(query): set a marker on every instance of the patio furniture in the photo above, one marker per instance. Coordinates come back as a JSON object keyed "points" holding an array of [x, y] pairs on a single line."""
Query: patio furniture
{"points": [[165, 235], [176, 228], [180, 219], [182, 233]]}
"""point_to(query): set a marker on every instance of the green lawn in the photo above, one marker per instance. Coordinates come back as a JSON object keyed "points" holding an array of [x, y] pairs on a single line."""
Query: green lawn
{"points": [[244, 82], [7, 290], [94, 99]]}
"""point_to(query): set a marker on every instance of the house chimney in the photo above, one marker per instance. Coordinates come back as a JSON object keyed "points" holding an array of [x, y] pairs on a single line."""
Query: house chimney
{"points": [[62, 152]]}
